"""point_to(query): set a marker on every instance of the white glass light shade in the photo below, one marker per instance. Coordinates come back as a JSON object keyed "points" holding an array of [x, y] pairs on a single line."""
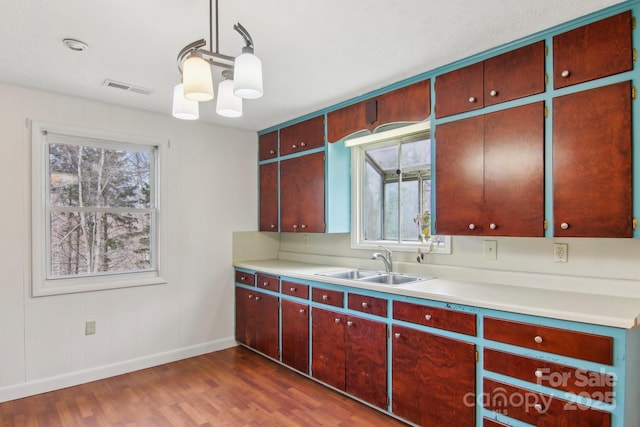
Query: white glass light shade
{"points": [[228, 105], [196, 77], [247, 75], [182, 107]]}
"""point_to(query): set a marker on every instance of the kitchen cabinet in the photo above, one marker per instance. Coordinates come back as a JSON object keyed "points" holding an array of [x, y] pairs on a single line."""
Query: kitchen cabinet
{"points": [[302, 136], [592, 163], [490, 174], [268, 146], [269, 196], [257, 321], [511, 75], [349, 353], [302, 194], [599, 49], [433, 378], [295, 335], [407, 104]]}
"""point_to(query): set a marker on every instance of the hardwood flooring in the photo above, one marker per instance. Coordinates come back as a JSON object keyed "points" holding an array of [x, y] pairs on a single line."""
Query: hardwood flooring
{"points": [[233, 387]]}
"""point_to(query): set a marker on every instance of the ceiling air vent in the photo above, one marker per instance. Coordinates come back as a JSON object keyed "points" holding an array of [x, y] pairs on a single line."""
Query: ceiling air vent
{"points": [[126, 86]]}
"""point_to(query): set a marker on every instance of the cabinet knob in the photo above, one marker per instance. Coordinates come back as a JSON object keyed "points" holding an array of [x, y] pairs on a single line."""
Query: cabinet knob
{"points": [[493, 226], [265, 284], [472, 99], [273, 226], [427, 316], [565, 73], [258, 298], [295, 226], [243, 278], [303, 144], [397, 335], [472, 226], [325, 297], [292, 289], [564, 225], [538, 373], [294, 146], [538, 339], [337, 320], [365, 304], [349, 323], [538, 407], [250, 296], [272, 151], [493, 93], [302, 310], [303, 226]]}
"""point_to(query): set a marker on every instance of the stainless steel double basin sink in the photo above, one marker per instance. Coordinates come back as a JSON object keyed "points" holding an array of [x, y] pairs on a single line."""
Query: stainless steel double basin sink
{"points": [[371, 276]]}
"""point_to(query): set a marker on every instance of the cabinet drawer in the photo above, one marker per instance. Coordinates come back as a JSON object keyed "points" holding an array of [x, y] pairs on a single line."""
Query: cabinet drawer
{"points": [[268, 146], [441, 318], [581, 345], [540, 409], [329, 297], [302, 136], [264, 281], [295, 289], [246, 278], [367, 304], [595, 385]]}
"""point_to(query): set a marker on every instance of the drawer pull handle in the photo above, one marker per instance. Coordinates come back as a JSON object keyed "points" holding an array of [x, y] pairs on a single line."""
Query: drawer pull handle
{"points": [[304, 226], [294, 146], [538, 373], [325, 297], [302, 310], [565, 73], [365, 304], [336, 320], [538, 339], [265, 284], [493, 226], [295, 226], [427, 316], [472, 226], [564, 225], [303, 144], [272, 152], [258, 298], [397, 335], [493, 93], [538, 407], [250, 296], [292, 289], [472, 99], [243, 278], [349, 323]]}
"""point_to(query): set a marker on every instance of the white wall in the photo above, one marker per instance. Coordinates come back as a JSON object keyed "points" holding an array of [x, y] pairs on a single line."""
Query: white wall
{"points": [[212, 189]]}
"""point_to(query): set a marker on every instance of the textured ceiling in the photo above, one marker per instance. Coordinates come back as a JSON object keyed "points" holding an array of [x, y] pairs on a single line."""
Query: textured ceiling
{"points": [[314, 53]]}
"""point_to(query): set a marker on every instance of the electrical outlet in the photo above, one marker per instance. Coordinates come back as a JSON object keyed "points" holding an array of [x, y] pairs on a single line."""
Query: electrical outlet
{"points": [[305, 240], [90, 327], [560, 252], [490, 249]]}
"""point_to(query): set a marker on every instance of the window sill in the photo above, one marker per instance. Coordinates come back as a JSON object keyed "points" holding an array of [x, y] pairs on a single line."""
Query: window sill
{"points": [[95, 283]]}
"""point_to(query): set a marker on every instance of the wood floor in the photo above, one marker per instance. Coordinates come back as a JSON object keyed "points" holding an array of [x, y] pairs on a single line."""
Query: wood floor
{"points": [[233, 387]]}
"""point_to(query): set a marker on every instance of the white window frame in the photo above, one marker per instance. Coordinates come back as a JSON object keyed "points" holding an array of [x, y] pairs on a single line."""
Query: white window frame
{"points": [[358, 144], [44, 286]]}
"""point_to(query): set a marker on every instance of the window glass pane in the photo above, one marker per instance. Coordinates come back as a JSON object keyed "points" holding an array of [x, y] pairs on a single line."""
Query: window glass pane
{"points": [[416, 154], [410, 208], [105, 178], [99, 242], [373, 202], [385, 158], [391, 211]]}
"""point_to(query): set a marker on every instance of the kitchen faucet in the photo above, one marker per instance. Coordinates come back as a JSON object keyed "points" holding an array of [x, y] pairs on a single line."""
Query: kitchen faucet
{"points": [[388, 260]]}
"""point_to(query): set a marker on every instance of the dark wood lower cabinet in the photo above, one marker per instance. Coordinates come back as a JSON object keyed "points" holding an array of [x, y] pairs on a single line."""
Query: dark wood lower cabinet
{"points": [[350, 354], [433, 379], [295, 335], [257, 321]]}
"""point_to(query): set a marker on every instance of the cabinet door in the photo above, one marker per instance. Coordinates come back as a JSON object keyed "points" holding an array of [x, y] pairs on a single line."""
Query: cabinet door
{"points": [[514, 74], [459, 90], [459, 177], [302, 136], [269, 197], [328, 349], [366, 360], [295, 335], [268, 146], [302, 194], [514, 172], [267, 324], [245, 317], [433, 378], [592, 163], [596, 50]]}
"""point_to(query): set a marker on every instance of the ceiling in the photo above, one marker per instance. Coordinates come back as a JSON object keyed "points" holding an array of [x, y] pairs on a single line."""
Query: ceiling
{"points": [[314, 53]]}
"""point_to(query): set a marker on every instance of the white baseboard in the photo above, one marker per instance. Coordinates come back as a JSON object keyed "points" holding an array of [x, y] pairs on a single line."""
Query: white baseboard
{"points": [[44, 385]]}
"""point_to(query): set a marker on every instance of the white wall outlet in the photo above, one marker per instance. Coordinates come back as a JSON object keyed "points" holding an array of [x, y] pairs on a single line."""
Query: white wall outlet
{"points": [[90, 327], [490, 249], [305, 241], [560, 252]]}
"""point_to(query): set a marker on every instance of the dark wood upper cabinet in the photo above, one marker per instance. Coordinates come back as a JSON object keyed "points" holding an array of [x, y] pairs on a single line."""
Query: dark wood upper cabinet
{"points": [[302, 194], [408, 104], [592, 163], [268, 146], [602, 48], [505, 77], [269, 197], [302, 136]]}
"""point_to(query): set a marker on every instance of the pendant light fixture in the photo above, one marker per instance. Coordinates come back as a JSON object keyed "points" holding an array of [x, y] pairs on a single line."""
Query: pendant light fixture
{"points": [[242, 76], [182, 107]]}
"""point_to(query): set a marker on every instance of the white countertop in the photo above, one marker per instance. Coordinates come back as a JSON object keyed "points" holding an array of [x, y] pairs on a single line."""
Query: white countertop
{"points": [[604, 310]]}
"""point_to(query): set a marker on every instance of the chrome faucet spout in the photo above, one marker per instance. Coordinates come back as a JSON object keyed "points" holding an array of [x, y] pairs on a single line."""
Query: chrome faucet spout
{"points": [[388, 260]]}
